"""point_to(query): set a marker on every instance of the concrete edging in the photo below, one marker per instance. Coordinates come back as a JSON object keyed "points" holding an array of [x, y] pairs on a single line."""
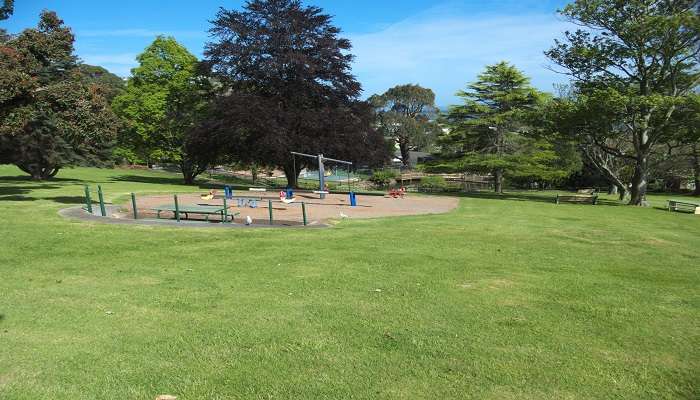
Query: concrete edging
{"points": [[79, 213]]}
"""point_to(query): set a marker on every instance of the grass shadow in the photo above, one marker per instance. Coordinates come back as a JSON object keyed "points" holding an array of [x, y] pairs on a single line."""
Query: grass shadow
{"points": [[66, 199], [164, 180], [539, 197], [512, 196], [17, 198], [28, 179]]}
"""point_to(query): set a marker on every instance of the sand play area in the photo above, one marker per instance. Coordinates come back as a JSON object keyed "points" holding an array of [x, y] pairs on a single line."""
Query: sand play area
{"points": [[318, 211]]}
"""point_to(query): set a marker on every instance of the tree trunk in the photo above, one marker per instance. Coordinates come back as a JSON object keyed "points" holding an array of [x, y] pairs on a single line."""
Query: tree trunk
{"points": [[405, 153], [254, 174], [622, 192], [613, 190], [639, 182], [498, 180], [696, 169], [38, 172], [291, 175], [190, 170], [602, 163]]}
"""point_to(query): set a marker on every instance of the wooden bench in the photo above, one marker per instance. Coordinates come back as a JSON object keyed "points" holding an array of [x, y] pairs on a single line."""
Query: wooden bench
{"points": [[577, 198], [589, 191], [683, 206], [205, 210]]}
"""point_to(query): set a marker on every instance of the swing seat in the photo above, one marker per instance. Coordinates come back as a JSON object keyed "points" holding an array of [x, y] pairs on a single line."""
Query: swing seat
{"points": [[288, 201]]}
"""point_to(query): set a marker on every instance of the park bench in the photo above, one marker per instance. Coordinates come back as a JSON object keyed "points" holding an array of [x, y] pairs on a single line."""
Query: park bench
{"points": [[684, 206], [576, 198], [205, 210], [589, 191]]}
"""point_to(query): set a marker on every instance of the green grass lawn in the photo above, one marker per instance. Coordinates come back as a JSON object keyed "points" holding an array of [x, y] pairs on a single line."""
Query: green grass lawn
{"points": [[513, 298]]}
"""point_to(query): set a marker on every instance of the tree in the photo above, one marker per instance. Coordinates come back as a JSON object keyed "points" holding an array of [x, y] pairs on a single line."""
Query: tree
{"points": [[163, 102], [686, 125], [110, 84], [5, 12], [49, 117], [636, 60], [7, 9], [488, 132], [404, 116], [186, 139], [287, 87]]}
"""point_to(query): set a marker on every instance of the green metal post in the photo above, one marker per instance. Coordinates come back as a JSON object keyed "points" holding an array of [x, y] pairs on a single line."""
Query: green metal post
{"points": [[269, 208], [133, 206], [303, 211], [88, 200], [225, 212], [102, 201], [177, 209]]}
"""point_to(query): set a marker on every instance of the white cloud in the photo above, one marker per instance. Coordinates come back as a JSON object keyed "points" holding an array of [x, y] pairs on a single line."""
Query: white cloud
{"points": [[139, 33], [444, 50]]}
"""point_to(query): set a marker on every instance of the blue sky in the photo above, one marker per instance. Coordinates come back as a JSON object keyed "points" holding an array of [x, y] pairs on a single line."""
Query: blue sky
{"points": [[438, 44]]}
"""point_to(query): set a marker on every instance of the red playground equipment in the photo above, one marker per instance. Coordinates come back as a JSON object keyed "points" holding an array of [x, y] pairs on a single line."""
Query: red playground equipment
{"points": [[397, 193]]}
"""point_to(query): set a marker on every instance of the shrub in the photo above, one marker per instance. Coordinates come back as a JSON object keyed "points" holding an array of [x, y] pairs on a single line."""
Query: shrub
{"points": [[383, 177], [123, 156], [432, 183]]}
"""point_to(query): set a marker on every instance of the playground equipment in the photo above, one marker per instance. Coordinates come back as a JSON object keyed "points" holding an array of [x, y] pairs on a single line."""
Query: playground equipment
{"points": [[205, 210], [209, 196], [397, 193], [177, 209], [320, 158], [100, 197], [287, 197]]}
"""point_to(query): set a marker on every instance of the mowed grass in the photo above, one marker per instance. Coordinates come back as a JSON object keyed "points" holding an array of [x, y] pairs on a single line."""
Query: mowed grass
{"points": [[513, 298]]}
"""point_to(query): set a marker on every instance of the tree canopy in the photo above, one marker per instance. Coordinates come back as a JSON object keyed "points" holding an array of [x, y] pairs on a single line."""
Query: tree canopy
{"points": [[632, 62], [161, 104], [405, 115], [287, 86], [49, 116], [110, 84], [490, 131]]}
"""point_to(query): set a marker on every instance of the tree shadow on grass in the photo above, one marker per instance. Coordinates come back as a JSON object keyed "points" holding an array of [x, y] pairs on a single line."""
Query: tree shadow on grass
{"points": [[28, 179], [512, 196], [18, 193], [17, 198], [66, 199], [163, 180], [539, 197], [156, 180]]}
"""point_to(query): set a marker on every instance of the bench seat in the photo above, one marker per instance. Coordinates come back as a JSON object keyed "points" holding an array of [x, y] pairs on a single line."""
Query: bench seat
{"points": [[205, 210], [576, 198]]}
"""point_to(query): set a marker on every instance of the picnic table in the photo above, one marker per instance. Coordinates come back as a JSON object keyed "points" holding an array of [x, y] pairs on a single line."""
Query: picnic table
{"points": [[205, 210]]}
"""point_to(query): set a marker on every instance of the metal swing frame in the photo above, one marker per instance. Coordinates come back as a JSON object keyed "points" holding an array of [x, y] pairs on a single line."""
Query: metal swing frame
{"points": [[320, 158]]}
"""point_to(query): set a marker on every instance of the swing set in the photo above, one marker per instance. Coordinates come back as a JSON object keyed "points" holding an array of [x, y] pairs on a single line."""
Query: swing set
{"points": [[320, 159]]}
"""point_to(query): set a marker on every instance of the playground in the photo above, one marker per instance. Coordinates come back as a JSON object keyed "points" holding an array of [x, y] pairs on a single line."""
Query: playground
{"points": [[256, 205]]}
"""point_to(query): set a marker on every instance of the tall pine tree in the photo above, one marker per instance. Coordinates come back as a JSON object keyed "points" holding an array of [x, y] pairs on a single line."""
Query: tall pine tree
{"points": [[488, 133]]}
